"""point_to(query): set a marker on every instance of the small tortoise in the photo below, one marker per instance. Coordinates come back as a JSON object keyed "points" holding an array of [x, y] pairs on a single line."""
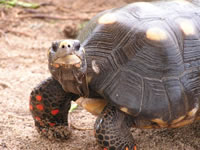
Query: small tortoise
{"points": [[135, 66]]}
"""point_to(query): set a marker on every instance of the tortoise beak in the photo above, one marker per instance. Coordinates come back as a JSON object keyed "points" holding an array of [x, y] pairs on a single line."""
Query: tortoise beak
{"points": [[71, 59]]}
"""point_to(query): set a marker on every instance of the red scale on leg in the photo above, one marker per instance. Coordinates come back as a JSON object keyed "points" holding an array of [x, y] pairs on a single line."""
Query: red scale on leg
{"points": [[44, 130], [47, 115], [40, 107], [38, 97], [52, 124], [30, 107], [55, 112], [37, 118], [41, 123]]}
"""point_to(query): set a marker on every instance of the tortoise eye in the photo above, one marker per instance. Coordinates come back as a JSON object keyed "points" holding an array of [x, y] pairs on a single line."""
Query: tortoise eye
{"points": [[54, 46]]}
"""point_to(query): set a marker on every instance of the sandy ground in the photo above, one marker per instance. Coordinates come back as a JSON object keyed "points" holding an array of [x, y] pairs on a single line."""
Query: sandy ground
{"points": [[24, 41]]}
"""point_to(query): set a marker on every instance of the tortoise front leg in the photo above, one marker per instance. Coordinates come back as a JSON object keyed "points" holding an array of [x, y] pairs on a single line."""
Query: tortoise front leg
{"points": [[49, 105], [112, 130]]}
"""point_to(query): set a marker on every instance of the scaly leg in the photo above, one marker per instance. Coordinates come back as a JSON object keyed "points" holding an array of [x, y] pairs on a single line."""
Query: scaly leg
{"points": [[49, 105], [112, 130]]}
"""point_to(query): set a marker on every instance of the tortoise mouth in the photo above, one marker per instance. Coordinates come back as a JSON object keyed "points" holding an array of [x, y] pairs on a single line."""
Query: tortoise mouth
{"points": [[69, 67], [68, 61]]}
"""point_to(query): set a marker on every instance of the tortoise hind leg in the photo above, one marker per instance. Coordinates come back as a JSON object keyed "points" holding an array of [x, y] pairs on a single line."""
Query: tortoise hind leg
{"points": [[49, 105], [112, 130]]}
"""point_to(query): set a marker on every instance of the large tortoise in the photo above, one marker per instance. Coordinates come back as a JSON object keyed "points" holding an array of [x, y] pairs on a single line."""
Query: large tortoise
{"points": [[135, 66]]}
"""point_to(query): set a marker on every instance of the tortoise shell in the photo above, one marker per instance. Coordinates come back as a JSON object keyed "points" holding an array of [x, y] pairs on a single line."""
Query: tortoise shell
{"points": [[145, 59]]}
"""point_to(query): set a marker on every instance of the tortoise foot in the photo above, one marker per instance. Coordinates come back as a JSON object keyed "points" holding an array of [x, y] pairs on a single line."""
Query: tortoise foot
{"points": [[112, 130], [49, 106], [60, 132]]}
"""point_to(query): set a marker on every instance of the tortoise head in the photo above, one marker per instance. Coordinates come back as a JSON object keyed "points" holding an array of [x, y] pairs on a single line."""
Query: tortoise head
{"points": [[67, 64]]}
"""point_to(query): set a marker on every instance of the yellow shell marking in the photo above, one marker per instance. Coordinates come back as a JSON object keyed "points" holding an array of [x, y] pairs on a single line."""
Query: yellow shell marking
{"points": [[160, 122], [147, 127], [124, 109], [193, 112], [145, 5], [156, 34], [182, 123], [178, 120], [108, 18], [181, 1], [186, 26]]}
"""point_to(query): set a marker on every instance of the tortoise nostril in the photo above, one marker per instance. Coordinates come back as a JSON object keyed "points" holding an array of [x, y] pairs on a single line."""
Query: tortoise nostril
{"points": [[77, 45], [63, 46]]}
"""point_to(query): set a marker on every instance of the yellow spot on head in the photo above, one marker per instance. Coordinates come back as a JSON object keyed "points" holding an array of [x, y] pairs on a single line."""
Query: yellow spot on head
{"points": [[186, 26], [64, 42], [160, 122], [107, 19], [56, 65], [78, 65], [156, 34]]}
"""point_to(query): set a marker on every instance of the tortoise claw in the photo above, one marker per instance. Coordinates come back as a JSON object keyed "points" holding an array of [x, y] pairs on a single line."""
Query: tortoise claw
{"points": [[59, 132]]}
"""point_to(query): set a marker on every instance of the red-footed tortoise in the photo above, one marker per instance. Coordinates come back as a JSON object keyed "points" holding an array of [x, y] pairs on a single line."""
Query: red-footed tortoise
{"points": [[136, 66]]}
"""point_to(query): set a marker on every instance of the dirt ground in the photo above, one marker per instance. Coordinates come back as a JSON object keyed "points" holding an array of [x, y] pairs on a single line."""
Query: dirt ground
{"points": [[25, 36]]}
